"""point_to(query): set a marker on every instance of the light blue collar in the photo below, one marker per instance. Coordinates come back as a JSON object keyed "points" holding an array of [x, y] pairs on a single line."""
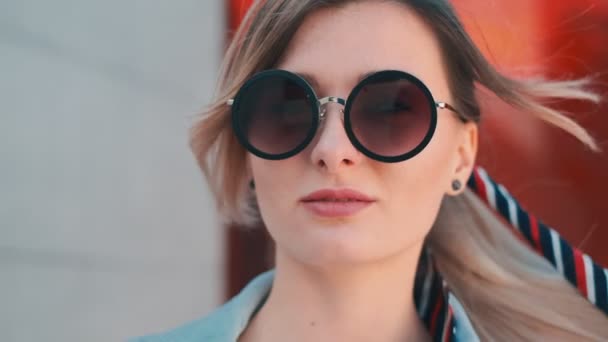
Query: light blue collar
{"points": [[227, 322]]}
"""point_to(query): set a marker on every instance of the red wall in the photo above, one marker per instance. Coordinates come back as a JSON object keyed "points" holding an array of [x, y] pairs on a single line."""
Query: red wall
{"points": [[552, 174]]}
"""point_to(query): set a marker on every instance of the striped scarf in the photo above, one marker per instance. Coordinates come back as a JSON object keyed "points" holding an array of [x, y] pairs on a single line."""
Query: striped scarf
{"points": [[433, 300]]}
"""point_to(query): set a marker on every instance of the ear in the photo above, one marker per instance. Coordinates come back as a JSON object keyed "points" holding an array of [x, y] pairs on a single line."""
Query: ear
{"points": [[464, 158]]}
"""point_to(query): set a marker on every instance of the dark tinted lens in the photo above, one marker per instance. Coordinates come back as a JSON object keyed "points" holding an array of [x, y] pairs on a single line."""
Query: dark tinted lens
{"points": [[391, 117], [275, 114]]}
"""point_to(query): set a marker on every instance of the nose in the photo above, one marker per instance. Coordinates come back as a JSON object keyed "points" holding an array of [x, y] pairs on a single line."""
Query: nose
{"points": [[331, 149]]}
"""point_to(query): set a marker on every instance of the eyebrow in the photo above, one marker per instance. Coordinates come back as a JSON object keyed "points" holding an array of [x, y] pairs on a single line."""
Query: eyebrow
{"points": [[315, 84]]}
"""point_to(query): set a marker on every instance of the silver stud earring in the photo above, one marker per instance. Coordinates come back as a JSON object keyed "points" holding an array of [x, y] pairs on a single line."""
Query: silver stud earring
{"points": [[456, 185]]}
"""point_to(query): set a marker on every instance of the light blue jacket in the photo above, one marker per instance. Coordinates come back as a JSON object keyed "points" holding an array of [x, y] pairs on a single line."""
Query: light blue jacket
{"points": [[227, 322]]}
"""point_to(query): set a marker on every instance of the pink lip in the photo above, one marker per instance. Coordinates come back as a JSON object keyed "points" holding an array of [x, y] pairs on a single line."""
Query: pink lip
{"points": [[336, 203]]}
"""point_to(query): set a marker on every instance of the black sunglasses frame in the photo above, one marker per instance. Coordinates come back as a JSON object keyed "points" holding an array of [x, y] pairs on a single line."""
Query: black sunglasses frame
{"points": [[318, 113]]}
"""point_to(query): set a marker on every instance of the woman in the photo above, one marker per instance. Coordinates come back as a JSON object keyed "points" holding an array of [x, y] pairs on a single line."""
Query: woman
{"points": [[349, 128]]}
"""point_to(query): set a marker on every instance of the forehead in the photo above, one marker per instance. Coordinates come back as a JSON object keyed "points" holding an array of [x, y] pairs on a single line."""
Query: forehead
{"points": [[341, 44]]}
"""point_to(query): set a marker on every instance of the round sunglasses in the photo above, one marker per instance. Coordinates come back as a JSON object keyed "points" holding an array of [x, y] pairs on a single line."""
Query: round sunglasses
{"points": [[390, 116]]}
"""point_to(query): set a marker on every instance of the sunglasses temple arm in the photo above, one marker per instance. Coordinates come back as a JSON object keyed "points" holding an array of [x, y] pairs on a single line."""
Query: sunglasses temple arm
{"points": [[445, 105]]}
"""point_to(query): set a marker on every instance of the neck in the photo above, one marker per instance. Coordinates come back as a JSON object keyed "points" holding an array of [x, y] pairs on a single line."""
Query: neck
{"points": [[372, 302]]}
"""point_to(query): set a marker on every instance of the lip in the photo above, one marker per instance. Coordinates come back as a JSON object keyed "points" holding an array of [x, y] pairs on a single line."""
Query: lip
{"points": [[336, 202]]}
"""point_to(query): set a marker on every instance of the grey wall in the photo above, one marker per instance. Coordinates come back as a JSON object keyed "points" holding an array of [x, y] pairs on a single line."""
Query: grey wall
{"points": [[106, 226]]}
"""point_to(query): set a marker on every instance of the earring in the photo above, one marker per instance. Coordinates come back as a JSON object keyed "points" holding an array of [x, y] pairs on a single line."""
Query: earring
{"points": [[456, 185], [251, 185]]}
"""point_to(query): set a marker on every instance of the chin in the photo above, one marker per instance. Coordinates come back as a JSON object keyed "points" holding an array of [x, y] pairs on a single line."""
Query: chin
{"points": [[334, 248]]}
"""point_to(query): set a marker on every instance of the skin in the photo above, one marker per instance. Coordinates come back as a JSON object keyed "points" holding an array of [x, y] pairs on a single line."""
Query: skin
{"points": [[351, 278]]}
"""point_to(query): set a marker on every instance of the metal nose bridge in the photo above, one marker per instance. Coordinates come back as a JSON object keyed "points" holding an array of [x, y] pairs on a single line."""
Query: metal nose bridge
{"points": [[328, 99], [333, 99]]}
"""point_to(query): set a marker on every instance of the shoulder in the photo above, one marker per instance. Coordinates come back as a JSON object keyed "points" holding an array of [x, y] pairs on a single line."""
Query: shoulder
{"points": [[226, 323]]}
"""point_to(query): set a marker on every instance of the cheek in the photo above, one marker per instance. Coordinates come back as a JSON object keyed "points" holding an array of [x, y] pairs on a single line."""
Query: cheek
{"points": [[416, 187], [275, 182], [433, 167], [413, 204]]}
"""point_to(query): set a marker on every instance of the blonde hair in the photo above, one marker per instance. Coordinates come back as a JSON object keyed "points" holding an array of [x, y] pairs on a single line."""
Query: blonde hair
{"points": [[508, 291]]}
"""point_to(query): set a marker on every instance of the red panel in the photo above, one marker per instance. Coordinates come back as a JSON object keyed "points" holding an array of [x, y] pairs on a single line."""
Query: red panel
{"points": [[577, 37], [236, 12], [548, 171], [246, 248]]}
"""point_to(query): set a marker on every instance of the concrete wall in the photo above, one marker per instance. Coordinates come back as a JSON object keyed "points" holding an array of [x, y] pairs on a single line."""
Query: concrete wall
{"points": [[106, 227]]}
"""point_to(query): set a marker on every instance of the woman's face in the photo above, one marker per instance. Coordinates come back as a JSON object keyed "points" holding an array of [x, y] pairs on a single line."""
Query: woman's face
{"points": [[335, 47]]}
